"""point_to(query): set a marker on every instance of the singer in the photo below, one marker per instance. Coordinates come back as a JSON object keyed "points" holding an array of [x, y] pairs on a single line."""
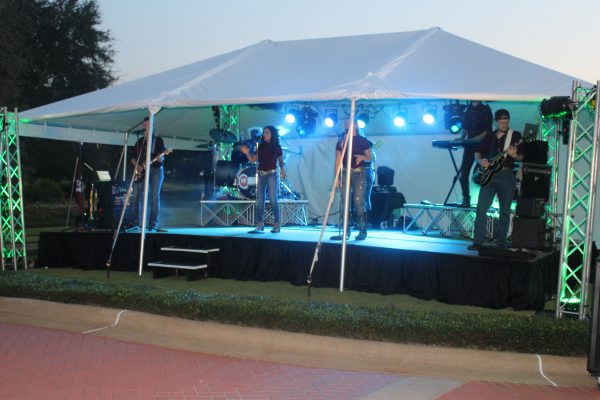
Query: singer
{"points": [[268, 154]]}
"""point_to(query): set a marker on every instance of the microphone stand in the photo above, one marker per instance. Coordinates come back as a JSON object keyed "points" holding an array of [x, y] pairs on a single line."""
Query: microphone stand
{"points": [[124, 210]]}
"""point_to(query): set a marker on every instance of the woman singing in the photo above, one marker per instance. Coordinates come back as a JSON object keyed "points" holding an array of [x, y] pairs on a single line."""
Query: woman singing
{"points": [[268, 154]]}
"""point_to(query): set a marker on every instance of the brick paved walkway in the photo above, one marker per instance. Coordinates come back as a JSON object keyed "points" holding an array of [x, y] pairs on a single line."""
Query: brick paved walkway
{"points": [[38, 363]]}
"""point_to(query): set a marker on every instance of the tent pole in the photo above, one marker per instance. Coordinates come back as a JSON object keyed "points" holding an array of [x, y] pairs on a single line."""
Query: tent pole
{"points": [[347, 192], [125, 157], [146, 184]]}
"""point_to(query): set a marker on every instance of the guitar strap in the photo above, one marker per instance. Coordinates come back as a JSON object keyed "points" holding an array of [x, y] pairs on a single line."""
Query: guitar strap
{"points": [[508, 139]]}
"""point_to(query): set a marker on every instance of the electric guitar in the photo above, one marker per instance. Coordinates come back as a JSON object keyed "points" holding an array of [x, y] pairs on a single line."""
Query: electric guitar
{"points": [[483, 176], [141, 170]]}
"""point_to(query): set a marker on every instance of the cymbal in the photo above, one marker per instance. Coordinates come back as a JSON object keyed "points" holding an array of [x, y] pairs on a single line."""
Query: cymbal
{"points": [[222, 136]]}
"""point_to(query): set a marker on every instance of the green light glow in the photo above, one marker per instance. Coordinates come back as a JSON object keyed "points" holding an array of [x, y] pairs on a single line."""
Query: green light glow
{"points": [[570, 300]]}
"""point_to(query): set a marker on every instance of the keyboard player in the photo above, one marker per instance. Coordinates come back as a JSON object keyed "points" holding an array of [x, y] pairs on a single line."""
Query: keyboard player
{"points": [[477, 123]]}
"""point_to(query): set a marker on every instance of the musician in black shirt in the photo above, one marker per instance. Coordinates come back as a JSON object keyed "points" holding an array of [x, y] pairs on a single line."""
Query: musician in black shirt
{"points": [[477, 123], [494, 153], [156, 176]]}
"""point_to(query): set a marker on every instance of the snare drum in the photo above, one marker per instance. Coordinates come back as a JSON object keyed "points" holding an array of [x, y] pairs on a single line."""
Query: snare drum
{"points": [[246, 182]]}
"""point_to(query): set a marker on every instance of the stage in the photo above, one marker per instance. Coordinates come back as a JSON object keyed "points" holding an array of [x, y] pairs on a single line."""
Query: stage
{"points": [[427, 267]]}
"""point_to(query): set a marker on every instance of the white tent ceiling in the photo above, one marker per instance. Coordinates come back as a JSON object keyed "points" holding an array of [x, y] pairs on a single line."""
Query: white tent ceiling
{"points": [[407, 65]]}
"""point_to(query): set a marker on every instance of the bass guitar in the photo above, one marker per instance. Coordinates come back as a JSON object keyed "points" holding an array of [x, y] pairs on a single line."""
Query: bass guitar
{"points": [[141, 170], [483, 176]]}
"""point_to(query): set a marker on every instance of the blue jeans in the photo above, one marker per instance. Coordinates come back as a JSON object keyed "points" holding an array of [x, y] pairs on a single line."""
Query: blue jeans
{"points": [[369, 180], [357, 196], [269, 181], [502, 184], [156, 180]]}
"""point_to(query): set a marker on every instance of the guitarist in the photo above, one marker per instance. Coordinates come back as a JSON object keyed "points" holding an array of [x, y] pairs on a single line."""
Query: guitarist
{"points": [[502, 183], [156, 176]]}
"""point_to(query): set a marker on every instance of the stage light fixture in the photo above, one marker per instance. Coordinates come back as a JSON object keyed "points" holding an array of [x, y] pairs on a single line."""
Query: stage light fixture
{"points": [[362, 120], [290, 117], [307, 122], [330, 119], [429, 114], [453, 117], [558, 107], [400, 119]]}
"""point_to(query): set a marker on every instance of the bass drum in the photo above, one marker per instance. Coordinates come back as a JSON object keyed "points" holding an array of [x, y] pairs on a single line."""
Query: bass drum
{"points": [[246, 182], [225, 172]]}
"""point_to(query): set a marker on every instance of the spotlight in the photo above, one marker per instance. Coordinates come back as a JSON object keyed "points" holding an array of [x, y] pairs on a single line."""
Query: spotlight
{"points": [[429, 113], [331, 119], [290, 117], [400, 119], [453, 117], [307, 122], [362, 120], [557, 107]]}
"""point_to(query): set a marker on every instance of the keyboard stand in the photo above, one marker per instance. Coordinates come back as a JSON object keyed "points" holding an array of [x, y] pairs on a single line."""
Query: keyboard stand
{"points": [[456, 177]]}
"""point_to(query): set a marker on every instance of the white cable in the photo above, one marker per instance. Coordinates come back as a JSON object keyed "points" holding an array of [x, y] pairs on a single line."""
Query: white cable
{"points": [[541, 369], [106, 327]]}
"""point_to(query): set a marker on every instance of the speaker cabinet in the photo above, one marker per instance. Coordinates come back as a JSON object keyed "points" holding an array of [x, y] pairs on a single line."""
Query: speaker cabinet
{"points": [[385, 176], [105, 204], [382, 205], [535, 152], [529, 233], [536, 181], [531, 208]]}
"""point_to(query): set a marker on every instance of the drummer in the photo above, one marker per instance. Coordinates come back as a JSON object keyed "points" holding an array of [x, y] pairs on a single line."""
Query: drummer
{"points": [[237, 156]]}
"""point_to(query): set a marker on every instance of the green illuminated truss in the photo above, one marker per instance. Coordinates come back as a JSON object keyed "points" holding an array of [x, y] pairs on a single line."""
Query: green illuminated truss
{"points": [[11, 194], [579, 205], [230, 119], [550, 134]]}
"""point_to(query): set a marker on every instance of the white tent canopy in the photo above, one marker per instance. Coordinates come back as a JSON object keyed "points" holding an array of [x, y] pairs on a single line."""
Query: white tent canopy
{"points": [[420, 64]]}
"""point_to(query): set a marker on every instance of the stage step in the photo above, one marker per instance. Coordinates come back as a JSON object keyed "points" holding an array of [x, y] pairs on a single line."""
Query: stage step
{"points": [[176, 258]]}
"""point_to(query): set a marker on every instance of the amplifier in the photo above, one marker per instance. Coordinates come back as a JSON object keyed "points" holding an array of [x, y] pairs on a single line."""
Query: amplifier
{"points": [[384, 189], [535, 152], [536, 181], [531, 208]]}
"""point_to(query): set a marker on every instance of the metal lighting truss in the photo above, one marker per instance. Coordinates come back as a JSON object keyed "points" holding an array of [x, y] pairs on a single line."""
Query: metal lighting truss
{"points": [[230, 119], [579, 204], [550, 134], [12, 238]]}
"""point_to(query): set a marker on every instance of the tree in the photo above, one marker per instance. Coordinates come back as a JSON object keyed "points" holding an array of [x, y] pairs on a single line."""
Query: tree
{"points": [[52, 50]]}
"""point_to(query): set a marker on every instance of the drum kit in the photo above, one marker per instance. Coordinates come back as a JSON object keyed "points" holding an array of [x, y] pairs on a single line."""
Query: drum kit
{"points": [[237, 177]]}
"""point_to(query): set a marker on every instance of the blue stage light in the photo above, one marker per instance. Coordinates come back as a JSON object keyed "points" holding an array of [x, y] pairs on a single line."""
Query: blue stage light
{"points": [[307, 122], [455, 125], [400, 119], [290, 118], [331, 119], [429, 114], [453, 116], [362, 120]]}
